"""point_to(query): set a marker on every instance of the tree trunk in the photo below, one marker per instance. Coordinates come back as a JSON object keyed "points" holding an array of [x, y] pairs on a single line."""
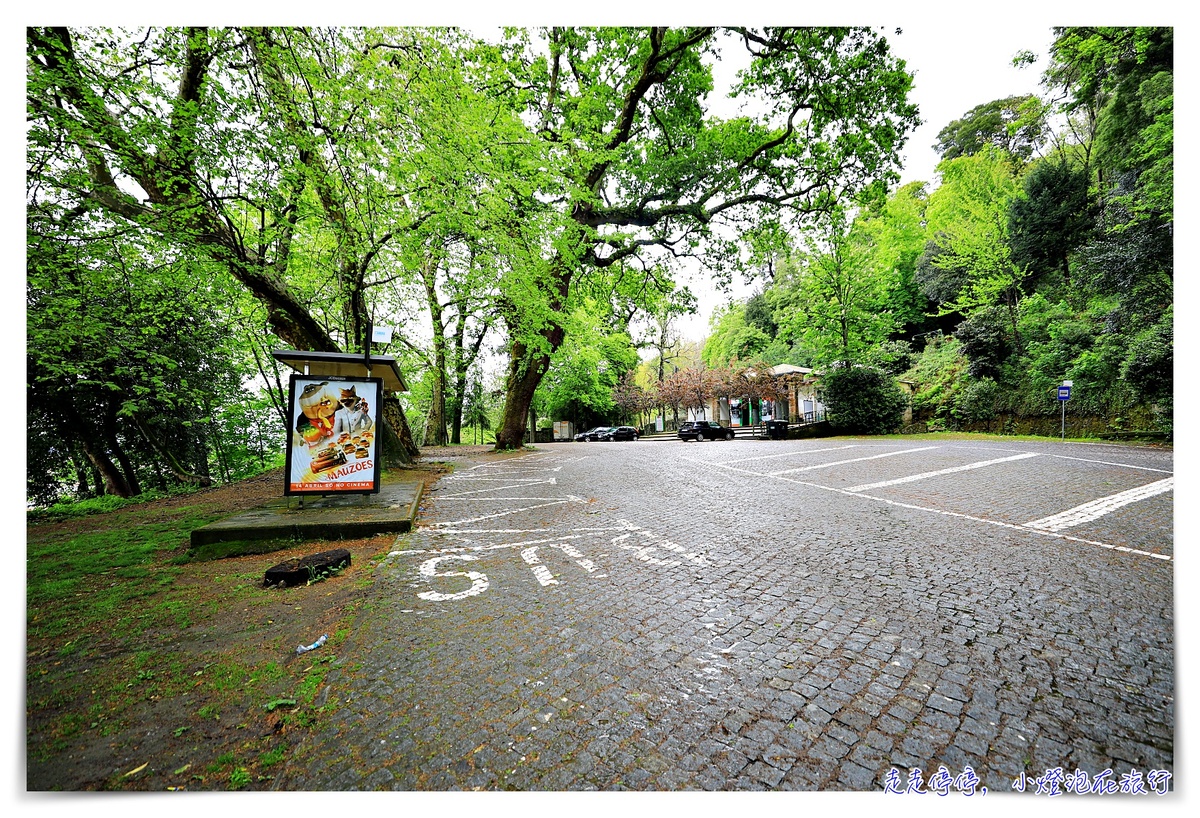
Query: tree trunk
{"points": [[106, 476], [525, 372], [398, 447], [455, 409], [181, 206], [114, 446], [114, 481], [459, 388], [166, 457], [526, 368], [84, 488], [435, 425]]}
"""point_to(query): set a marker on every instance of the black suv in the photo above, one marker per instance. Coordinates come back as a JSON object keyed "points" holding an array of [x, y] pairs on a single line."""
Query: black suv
{"points": [[704, 430]]}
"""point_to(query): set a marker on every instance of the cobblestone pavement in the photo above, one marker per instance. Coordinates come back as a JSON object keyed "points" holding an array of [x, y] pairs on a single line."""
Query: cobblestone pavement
{"points": [[752, 615]]}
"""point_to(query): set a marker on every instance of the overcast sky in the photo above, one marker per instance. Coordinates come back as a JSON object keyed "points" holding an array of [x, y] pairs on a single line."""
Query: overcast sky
{"points": [[954, 73]]}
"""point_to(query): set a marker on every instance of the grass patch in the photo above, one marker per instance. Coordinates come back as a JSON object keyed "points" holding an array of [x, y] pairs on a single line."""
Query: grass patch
{"points": [[226, 676], [314, 676], [272, 757], [134, 647]]}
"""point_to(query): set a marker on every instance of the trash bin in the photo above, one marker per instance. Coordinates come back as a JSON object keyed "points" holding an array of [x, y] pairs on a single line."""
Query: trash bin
{"points": [[777, 429]]}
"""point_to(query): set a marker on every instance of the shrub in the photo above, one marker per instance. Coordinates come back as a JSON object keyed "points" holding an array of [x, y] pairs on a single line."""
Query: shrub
{"points": [[939, 374], [984, 337], [977, 400], [861, 400], [1149, 365]]}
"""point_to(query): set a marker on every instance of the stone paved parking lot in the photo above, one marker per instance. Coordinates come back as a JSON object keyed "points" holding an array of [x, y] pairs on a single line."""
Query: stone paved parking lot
{"points": [[749, 615]]}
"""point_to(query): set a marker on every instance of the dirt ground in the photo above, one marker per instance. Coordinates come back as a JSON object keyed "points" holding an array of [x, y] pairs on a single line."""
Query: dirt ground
{"points": [[216, 703]]}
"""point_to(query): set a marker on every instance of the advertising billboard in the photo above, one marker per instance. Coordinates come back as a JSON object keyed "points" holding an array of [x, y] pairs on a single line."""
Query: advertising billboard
{"points": [[332, 445]]}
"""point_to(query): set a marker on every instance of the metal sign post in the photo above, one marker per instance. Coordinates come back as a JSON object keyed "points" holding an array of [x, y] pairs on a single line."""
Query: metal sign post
{"points": [[1064, 395]]}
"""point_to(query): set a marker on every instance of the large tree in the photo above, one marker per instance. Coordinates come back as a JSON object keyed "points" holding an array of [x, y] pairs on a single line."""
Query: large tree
{"points": [[1051, 217], [733, 337], [1124, 77], [833, 297], [968, 217], [233, 144], [636, 165], [586, 370], [1015, 125], [129, 357]]}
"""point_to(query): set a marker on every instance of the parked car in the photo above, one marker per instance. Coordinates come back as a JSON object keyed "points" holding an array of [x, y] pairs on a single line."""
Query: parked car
{"points": [[704, 430], [593, 434], [619, 433]]}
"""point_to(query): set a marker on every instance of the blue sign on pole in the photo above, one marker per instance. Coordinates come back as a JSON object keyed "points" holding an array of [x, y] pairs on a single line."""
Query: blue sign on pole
{"points": [[1064, 393]]}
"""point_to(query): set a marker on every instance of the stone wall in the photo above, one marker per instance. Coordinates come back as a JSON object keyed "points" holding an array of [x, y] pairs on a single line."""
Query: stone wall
{"points": [[1139, 422]]}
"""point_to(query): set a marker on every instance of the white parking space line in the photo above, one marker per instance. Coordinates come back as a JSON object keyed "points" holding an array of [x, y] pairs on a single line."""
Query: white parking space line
{"points": [[494, 467], [940, 472], [1016, 527], [943, 512], [1110, 463], [792, 454], [851, 460], [458, 498], [551, 482], [525, 481], [1098, 508], [501, 513]]}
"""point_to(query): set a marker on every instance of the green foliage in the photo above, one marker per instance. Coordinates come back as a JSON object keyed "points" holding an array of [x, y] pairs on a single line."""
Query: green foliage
{"points": [[985, 341], [977, 400], [1150, 363], [1061, 269], [892, 357], [295, 183], [939, 276], [584, 372], [834, 299], [623, 111], [758, 313], [1133, 260], [1063, 343], [1050, 218], [1015, 125], [1126, 75], [939, 374], [130, 359], [733, 338], [968, 221], [861, 400], [896, 227]]}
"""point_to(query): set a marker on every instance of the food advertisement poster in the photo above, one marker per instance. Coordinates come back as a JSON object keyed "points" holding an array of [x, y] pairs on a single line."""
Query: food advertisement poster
{"points": [[331, 446]]}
